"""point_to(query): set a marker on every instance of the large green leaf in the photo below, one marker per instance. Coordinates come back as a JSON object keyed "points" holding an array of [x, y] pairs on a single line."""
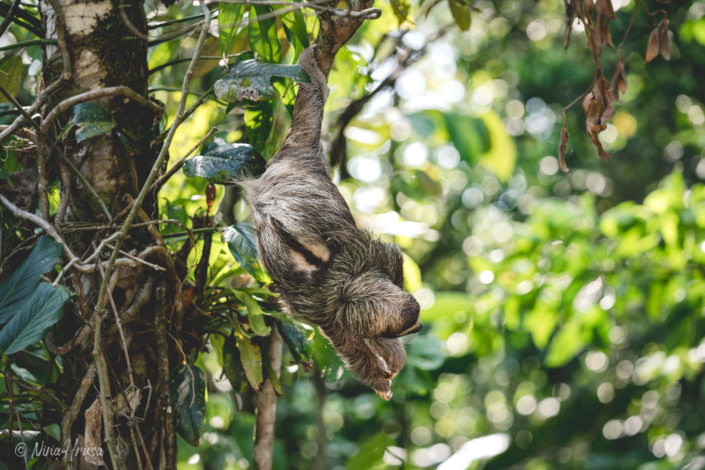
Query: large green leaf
{"points": [[23, 281], [370, 453], [251, 360], [262, 34], [461, 14], [252, 80], [92, 120], [224, 163], [232, 365], [188, 401], [259, 120], [229, 18], [32, 320], [468, 134], [296, 340], [242, 243]]}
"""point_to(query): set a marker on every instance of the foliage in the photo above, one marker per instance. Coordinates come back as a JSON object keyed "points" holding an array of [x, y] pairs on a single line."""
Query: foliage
{"points": [[562, 312]]}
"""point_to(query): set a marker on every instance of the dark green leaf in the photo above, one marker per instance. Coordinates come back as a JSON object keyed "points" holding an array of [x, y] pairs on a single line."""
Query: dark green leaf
{"points": [[188, 401], [370, 453], [296, 340], [262, 34], [259, 119], [32, 320], [242, 243], [232, 365], [251, 360], [92, 119], [23, 281], [229, 17], [224, 163], [252, 80], [461, 14]]}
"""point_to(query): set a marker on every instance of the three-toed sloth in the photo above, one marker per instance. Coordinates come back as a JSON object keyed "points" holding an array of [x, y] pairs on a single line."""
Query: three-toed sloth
{"points": [[329, 272]]}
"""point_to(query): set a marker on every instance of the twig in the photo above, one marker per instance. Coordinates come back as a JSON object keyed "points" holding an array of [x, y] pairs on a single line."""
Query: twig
{"points": [[39, 390], [31, 42], [61, 35], [158, 183], [165, 394], [131, 27], [153, 266], [8, 18], [103, 381], [71, 415], [19, 424], [87, 184]]}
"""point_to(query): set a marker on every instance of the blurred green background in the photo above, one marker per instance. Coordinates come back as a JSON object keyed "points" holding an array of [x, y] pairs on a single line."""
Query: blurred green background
{"points": [[563, 313]]}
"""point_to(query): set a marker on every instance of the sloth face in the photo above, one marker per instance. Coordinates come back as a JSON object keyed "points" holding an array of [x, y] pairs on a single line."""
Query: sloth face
{"points": [[373, 300]]}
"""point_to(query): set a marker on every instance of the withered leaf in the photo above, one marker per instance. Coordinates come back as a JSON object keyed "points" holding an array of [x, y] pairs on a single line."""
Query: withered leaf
{"points": [[589, 7], [665, 42], [562, 147], [569, 15], [605, 9], [653, 47], [619, 82], [598, 111]]}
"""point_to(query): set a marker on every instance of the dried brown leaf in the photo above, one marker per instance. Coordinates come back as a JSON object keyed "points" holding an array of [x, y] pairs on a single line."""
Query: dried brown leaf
{"points": [[589, 7], [665, 42], [653, 47], [598, 111], [619, 82], [569, 15], [605, 9], [562, 147]]}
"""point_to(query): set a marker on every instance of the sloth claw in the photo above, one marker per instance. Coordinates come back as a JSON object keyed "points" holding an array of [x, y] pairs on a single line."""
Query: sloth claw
{"points": [[386, 396]]}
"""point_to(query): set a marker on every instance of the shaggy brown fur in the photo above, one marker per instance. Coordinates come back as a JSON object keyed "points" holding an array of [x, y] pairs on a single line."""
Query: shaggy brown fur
{"points": [[328, 271]]}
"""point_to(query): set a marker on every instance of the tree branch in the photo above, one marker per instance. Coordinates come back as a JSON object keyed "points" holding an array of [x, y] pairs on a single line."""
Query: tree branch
{"points": [[267, 408]]}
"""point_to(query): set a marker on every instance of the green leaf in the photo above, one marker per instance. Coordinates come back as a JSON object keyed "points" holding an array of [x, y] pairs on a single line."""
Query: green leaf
{"points": [[401, 9], [54, 431], [468, 134], [187, 385], [262, 34], [252, 80], [259, 119], [461, 14], [296, 340], [224, 163], [23, 281], [242, 243], [31, 322], [161, 54], [255, 316], [425, 353], [295, 28], [370, 453], [564, 346], [92, 120], [11, 80], [232, 365], [251, 359], [229, 17]]}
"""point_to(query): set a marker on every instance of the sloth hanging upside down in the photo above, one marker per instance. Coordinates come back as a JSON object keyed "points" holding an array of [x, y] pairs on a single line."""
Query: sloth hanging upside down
{"points": [[329, 272]]}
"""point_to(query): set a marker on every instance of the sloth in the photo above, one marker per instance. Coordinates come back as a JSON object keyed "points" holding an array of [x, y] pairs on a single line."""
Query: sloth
{"points": [[329, 272]]}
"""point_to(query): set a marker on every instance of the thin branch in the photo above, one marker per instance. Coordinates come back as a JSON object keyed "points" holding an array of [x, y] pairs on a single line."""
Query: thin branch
{"points": [[31, 42], [71, 415], [8, 18], [153, 266]]}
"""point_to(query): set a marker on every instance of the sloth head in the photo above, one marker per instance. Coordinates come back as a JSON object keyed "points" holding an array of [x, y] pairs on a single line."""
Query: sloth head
{"points": [[371, 296]]}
